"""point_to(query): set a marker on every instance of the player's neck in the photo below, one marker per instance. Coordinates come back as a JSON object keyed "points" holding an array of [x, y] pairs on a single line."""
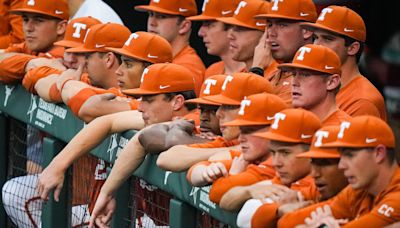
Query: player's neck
{"points": [[231, 66], [178, 44], [324, 109], [349, 71], [383, 179]]}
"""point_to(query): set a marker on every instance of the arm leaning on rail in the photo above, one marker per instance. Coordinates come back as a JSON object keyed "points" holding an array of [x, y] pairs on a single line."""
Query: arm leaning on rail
{"points": [[88, 138]]}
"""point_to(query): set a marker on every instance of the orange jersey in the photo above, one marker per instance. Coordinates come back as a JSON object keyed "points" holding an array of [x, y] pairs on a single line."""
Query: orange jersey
{"points": [[216, 143], [195, 116], [253, 174], [10, 24], [33, 75], [361, 208], [13, 69], [76, 102], [214, 69], [188, 58], [360, 97], [282, 82], [265, 215], [336, 118]]}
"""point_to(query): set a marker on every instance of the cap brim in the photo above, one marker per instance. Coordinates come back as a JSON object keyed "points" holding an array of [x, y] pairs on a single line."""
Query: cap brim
{"points": [[319, 154], [139, 92], [28, 10], [145, 8], [68, 43], [221, 99], [234, 21], [201, 101], [338, 144], [315, 26], [245, 123], [271, 15], [276, 137], [201, 18], [124, 52], [300, 66], [80, 49]]}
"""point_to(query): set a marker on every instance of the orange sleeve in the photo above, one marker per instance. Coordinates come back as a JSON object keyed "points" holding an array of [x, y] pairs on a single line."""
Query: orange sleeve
{"points": [[295, 218], [134, 104], [386, 212], [33, 75], [10, 24], [195, 116], [251, 175], [265, 216], [214, 69], [76, 102], [13, 69], [216, 143], [363, 107], [54, 93]]}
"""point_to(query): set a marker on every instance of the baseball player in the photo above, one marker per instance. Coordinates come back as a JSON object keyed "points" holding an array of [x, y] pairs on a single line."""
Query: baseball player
{"points": [[290, 134], [168, 18], [10, 24], [315, 74], [285, 37], [367, 157], [215, 35], [343, 30]]}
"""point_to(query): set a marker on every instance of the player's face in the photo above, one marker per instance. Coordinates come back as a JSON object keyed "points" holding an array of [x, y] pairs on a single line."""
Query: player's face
{"points": [[97, 70], [309, 89], [242, 42], [289, 167], [156, 109], [226, 113], [129, 73], [73, 60], [358, 166], [208, 119], [332, 41], [285, 38], [41, 32], [165, 25], [329, 179], [215, 37], [253, 148]]}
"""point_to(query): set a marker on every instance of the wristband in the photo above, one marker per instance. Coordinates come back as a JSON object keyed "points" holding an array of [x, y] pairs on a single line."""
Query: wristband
{"points": [[257, 70]]}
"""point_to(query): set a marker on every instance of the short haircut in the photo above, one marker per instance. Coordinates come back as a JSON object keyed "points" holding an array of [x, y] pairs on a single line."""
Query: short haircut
{"points": [[348, 41], [190, 94]]}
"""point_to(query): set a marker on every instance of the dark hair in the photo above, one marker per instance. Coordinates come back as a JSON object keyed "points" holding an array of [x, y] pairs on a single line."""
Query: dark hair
{"points": [[190, 94], [391, 155], [348, 41]]}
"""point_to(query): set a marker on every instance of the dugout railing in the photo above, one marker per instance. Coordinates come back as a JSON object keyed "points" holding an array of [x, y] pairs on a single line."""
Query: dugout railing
{"points": [[58, 122]]}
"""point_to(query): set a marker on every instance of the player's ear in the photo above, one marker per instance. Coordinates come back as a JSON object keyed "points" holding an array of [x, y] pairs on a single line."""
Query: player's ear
{"points": [[178, 102], [380, 153], [185, 26], [61, 27], [307, 34], [333, 82], [353, 48]]}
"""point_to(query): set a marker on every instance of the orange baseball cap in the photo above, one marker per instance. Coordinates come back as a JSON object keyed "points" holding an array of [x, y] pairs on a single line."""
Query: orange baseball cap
{"points": [[341, 20], [293, 126], [299, 10], [184, 8], [324, 135], [211, 86], [317, 58], [100, 36], [258, 109], [239, 85], [245, 12], [53, 8], [147, 47], [364, 131], [76, 31], [213, 9], [164, 78]]}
